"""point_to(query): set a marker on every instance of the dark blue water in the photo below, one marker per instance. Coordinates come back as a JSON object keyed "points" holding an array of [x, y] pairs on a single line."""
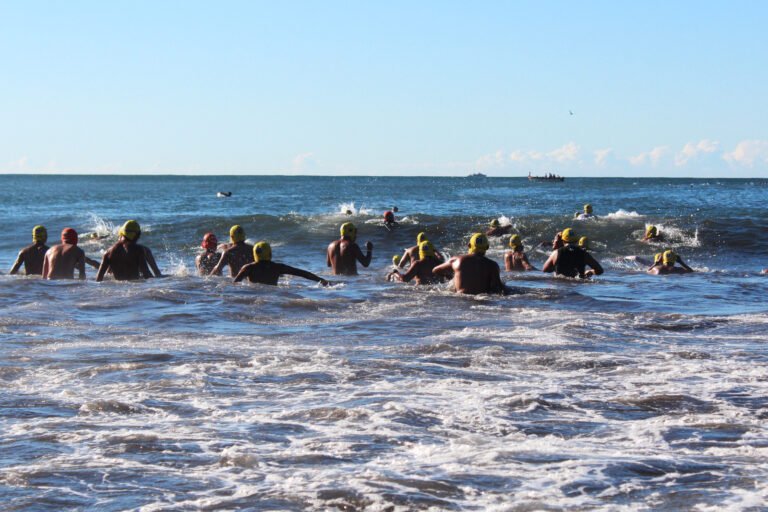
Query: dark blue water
{"points": [[630, 392]]}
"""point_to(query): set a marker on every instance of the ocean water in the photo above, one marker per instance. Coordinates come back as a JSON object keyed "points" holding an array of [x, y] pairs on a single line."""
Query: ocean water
{"points": [[630, 392]]}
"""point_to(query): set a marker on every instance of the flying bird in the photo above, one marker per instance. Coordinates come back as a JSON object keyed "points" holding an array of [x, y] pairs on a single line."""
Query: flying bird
{"points": [[570, 112]]}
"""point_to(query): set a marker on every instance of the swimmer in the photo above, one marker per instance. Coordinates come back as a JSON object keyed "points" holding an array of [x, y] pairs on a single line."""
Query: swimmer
{"points": [[572, 260], [237, 255], [473, 273], [587, 213], [126, 259], [151, 263], [265, 271], [32, 256], [515, 259], [668, 260], [584, 243], [411, 254], [343, 254], [652, 234], [207, 260], [496, 229], [420, 269], [61, 260], [389, 220]]}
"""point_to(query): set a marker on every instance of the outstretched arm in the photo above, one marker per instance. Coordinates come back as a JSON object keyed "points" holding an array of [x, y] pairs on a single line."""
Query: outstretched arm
{"points": [[683, 264], [93, 263], [286, 269]]}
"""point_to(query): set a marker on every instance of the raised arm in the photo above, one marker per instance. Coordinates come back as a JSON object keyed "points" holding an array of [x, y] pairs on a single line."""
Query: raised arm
{"points": [[365, 260]]}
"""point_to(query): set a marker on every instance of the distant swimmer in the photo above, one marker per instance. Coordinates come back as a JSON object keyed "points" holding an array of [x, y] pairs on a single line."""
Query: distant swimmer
{"points": [[238, 254], [411, 254], [496, 229], [420, 269], [223, 194], [572, 260], [126, 260], [652, 234], [63, 259], [473, 273], [265, 271], [515, 258], [207, 260], [389, 220], [344, 253], [32, 256], [668, 260], [587, 214]]}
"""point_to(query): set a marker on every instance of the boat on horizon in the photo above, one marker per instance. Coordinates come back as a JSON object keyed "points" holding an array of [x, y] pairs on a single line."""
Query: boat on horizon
{"points": [[547, 177]]}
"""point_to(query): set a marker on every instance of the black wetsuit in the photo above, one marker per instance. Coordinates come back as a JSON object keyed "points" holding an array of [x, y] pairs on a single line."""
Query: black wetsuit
{"points": [[571, 261]]}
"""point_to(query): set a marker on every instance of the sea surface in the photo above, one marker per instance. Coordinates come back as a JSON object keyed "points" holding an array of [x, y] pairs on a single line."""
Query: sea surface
{"points": [[629, 392]]}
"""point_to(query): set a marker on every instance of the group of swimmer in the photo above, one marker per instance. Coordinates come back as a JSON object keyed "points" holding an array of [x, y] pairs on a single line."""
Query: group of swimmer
{"points": [[472, 273]]}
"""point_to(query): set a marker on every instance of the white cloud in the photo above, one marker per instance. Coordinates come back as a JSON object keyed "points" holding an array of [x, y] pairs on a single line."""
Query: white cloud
{"points": [[567, 153], [20, 165], [748, 152], [652, 157], [602, 156], [691, 151], [303, 162]]}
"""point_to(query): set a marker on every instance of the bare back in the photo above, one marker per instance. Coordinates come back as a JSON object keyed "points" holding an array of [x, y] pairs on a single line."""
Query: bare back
{"points": [[473, 274], [32, 258], [126, 260], [62, 260], [343, 256], [236, 256]]}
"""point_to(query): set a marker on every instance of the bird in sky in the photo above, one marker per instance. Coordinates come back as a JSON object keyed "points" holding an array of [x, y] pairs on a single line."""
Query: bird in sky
{"points": [[570, 112]]}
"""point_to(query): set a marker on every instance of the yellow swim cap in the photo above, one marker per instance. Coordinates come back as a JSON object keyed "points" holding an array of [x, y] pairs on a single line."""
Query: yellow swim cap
{"points": [[262, 251], [396, 259], [39, 234], [669, 258], [515, 242], [130, 230], [478, 244], [587, 208], [495, 223], [348, 230], [657, 258], [569, 235], [584, 242], [237, 233], [421, 237], [651, 231], [426, 250]]}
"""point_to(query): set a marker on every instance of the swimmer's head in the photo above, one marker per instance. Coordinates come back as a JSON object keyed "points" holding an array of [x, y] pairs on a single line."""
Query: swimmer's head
{"points": [[130, 230], [389, 216], [669, 258], [39, 234], [210, 242], [651, 231], [421, 237], [657, 258], [237, 234], [426, 250], [262, 251], [348, 231], [348, 212], [587, 208], [495, 223], [69, 236], [478, 244], [515, 243], [584, 242], [394, 209], [396, 259], [569, 236]]}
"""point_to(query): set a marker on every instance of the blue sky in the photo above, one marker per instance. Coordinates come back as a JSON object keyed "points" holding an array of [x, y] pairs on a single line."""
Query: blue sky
{"points": [[387, 88]]}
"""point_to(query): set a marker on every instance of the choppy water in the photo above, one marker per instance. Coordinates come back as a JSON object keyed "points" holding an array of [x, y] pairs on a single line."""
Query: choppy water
{"points": [[632, 392]]}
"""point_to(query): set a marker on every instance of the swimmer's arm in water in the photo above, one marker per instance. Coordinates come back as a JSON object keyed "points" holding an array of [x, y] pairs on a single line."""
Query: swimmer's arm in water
{"points": [[412, 271], [596, 269], [495, 285], [80, 265], [151, 262], [683, 264], [406, 257], [143, 266], [287, 269], [364, 260], [95, 264], [549, 265], [103, 268], [244, 271], [17, 264], [222, 261], [445, 269], [527, 264]]}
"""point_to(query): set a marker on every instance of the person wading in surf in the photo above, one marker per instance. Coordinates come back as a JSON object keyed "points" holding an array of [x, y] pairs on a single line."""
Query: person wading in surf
{"points": [[126, 260], [343, 254], [473, 273], [61, 260], [265, 271], [33, 255], [236, 255], [572, 260], [420, 269]]}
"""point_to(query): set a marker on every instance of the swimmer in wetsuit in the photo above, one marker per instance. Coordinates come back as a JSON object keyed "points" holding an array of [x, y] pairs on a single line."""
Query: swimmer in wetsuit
{"points": [[237, 255], [572, 260], [587, 213], [515, 259], [265, 271], [343, 254], [207, 260], [668, 260], [473, 273], [126, 260], [63, 259], [420, 269], [32, 256]]}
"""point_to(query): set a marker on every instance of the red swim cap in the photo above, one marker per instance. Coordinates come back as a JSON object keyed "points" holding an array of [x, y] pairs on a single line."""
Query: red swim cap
{"points": [[210, 242], [389, 216], [69, 236]]}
